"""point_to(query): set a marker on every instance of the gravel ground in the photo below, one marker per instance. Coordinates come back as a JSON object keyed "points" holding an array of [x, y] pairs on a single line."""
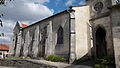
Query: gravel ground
{"points": [[32, 63], [6, 67], [23, 64], [59, 64]]}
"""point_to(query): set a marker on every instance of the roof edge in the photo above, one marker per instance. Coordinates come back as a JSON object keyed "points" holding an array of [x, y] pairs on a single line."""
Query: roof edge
{"points": [[78, 6], [50, 17]]}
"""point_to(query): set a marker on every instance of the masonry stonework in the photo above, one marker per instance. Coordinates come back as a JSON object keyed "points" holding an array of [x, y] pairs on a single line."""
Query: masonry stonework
{"points": [[90, 30]]}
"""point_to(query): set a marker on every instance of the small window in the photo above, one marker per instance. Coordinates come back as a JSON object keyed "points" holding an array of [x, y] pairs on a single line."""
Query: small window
{"points": [[0, 53]]}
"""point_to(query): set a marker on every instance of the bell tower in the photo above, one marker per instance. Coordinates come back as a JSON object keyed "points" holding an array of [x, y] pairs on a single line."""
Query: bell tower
{"points": [[100, 21], [98, 7]]}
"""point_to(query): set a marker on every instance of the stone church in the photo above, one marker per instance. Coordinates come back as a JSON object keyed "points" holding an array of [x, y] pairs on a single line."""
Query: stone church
{"points": [[89, 30]]}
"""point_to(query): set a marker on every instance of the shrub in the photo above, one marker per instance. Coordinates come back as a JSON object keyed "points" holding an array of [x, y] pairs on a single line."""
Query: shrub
{"points": [[105, 62], [83, 59], [109, 59], [101, 66], [97, 66], [55, 58]]}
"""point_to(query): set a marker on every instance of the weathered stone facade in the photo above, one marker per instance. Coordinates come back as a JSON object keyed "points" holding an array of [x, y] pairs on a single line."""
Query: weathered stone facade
{"points": [[115, 18], [101, 28], [44, 37], [89, 30]]}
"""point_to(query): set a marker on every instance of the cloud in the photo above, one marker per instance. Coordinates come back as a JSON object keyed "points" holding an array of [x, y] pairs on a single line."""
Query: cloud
{"points": [[69, 2], [24, 11], [7, 30], [74, 2], [57, 2], [40, 1], [82, 2]]}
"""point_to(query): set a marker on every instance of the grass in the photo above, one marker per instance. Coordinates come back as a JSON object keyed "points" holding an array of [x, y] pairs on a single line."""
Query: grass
{"points": [[55, 58], [17, 58]]}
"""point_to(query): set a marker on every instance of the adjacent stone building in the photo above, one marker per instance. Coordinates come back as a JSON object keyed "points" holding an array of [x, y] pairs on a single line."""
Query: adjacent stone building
{"points": [[115, 19], [89, 30], [4, 49]]}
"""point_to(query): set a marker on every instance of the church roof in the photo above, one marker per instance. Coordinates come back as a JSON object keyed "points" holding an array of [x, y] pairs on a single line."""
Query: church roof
{"points": [[65, 11], [4, 47]]}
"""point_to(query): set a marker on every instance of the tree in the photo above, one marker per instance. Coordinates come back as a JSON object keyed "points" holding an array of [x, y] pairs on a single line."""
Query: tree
{"points": [[3, 2]]}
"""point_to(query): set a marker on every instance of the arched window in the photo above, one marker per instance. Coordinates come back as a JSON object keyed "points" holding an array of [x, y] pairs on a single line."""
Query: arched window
{"points": [[60, 35]]}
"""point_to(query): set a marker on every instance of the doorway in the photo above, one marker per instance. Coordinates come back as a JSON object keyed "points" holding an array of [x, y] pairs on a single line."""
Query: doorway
{"points": [[101, 48]]}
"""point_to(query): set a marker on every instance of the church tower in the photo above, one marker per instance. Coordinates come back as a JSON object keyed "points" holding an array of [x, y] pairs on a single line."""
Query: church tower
{"points": [[101, 28], [98, 7]]}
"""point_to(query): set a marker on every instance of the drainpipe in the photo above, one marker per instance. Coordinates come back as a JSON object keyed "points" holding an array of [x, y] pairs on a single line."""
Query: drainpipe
{"points": [[72, 54]]}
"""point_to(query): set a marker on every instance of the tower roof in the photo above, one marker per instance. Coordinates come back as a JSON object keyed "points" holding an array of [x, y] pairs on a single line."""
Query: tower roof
{"points": [[17, 26]]}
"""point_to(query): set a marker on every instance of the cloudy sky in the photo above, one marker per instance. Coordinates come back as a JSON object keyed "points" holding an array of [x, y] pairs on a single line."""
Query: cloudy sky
{"points": [[30, 11]]}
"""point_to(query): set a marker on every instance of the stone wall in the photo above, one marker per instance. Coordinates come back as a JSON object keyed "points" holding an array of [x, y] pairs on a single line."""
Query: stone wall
{"points": [[115, 16], [100, 18], [63, 22], [104, 23], [40, 39], [82, 17]]}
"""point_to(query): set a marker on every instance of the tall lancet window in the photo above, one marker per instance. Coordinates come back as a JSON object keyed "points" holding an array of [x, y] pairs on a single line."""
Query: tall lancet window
{"points": [[60, 35]]}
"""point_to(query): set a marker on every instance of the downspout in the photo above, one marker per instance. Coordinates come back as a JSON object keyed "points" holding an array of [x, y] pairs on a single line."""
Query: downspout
{"points": [[72, 54]]}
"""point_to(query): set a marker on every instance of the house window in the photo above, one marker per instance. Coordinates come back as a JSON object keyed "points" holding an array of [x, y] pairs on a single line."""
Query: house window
{"points": [[0, 53], [60, 35]]}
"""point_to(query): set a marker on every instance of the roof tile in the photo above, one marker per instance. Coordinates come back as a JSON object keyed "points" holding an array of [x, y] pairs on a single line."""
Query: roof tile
{"points": [[4, 47]]}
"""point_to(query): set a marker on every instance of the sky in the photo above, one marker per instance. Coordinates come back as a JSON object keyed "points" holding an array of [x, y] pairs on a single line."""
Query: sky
{"points": [[29, 12]]}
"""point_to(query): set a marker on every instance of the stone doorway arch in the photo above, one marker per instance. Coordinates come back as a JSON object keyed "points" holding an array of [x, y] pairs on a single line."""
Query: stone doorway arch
{"points": [[101, 45]]}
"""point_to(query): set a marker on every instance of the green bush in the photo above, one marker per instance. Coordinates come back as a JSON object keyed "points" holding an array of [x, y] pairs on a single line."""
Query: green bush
{"points": [[109, 60], [105, 62], [97, 66], [55, 58], [101, 66], [82, 59]]}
